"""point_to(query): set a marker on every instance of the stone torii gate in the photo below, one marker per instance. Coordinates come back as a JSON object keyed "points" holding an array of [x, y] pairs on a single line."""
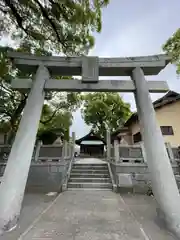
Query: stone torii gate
{"points": [[90, 68]]}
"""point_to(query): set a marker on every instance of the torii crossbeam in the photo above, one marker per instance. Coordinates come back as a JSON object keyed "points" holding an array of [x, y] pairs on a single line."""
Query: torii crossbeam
{"points": [[90, 68]]}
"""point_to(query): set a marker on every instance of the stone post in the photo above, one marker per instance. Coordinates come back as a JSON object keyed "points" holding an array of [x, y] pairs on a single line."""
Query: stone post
{"points": [[116, 151], [65, 149], [143, 152], [63, 152], [108, 145], [163, 181], [170, 152], [37, 150], [73, 143]]}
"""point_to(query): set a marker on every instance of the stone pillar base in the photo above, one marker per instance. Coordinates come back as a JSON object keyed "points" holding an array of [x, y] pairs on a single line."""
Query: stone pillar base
{"points": [[10, 226], [163, 221]]}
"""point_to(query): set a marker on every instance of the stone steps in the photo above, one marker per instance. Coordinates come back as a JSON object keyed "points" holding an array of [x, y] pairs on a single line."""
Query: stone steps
{"points": [[91, 167], [90, 176], [93, 180], [88, 165], [89, 185], [90, 171], [89, 189]]}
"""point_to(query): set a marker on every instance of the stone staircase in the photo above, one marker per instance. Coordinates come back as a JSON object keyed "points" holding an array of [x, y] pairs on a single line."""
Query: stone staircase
{"points": [[90, 176]]}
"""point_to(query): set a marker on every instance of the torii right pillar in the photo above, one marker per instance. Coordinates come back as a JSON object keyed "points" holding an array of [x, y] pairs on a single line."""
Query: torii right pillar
{"points": [[163, 181]]}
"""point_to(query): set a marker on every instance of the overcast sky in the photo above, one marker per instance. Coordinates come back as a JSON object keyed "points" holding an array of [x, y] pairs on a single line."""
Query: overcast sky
{"points": [[135, 28]]}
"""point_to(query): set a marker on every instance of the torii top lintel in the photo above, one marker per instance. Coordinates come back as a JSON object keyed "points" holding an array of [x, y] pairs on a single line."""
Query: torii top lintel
{"points": [[73, 66]]}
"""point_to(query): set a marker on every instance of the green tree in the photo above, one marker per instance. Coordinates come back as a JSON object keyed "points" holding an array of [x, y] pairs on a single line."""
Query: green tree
{"points": [[62, 26], [172, 47], [43, 27], [54, 123], [104, 110], [12, 102]]}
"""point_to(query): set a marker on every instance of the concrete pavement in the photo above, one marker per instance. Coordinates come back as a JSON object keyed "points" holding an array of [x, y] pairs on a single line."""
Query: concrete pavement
{"points": [[96, 215], [32, 208], [143, 209]]}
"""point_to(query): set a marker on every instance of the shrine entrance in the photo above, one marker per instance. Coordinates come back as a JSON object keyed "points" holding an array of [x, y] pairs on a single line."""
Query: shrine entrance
{"points": [[43, 69], [91, 145]]}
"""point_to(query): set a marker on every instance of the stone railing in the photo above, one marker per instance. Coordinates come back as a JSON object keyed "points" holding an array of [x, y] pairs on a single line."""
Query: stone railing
{"points": [[2, 168], [136, 175], [55, 153], [136, 153], [127, 153], [43, 153], [46, 153], [5, 151], [130, 170], [131, 154], [112, 152], [50, 166], [48, 169]]}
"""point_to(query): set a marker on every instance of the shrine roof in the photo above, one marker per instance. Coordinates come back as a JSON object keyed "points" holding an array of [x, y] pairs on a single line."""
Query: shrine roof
{"points": [[91, 136]]}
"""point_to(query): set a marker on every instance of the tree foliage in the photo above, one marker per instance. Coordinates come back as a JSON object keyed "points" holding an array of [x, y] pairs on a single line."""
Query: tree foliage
{"points": [[62, 26], [43, 27], [172, 47], [54, 122], [11, 102], [104, 110], [56, 114]]}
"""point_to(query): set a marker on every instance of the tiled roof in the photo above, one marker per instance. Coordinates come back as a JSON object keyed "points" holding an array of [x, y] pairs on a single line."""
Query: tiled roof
{"points": [[168, 98]]}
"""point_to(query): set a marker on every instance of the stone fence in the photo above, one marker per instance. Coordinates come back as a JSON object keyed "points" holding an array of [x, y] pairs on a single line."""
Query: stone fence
{"points": [[130, 170], [47, 176], [4, 152], [44, 176], [43, 153], [48, 167], [136, 153]]}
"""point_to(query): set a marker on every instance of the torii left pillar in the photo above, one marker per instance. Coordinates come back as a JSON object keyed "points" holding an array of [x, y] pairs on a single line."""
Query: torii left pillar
{"points": [[15, 177]]}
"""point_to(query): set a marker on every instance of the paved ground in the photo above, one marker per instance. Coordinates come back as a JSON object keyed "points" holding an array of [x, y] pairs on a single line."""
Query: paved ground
{"points": [[33, 206], [96, 215], [143, 209]]}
